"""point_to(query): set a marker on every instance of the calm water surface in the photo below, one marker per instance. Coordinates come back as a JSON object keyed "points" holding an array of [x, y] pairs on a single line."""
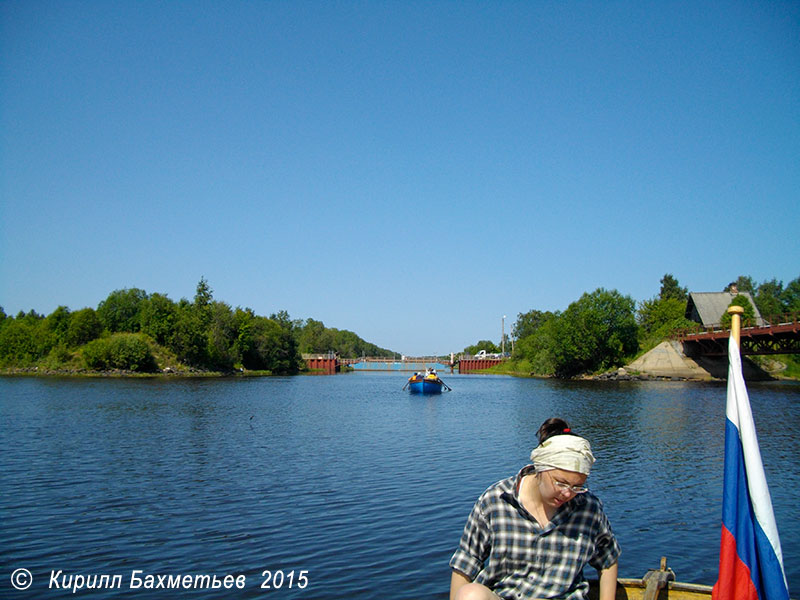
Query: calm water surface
{"points": [[347, 477]]}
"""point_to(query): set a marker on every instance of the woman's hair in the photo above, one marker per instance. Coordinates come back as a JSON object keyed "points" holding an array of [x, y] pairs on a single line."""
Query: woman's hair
{"points": [[553, 426]]}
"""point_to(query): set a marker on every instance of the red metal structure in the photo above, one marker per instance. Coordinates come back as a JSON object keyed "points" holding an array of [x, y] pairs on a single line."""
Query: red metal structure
{"points": [[322, 363], [470, 365], [781, 338]]}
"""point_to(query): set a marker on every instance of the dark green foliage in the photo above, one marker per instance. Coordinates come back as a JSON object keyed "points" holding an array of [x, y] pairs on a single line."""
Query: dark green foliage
{"points": [[84, 326], [120, 311], [768, 299], [203, 294], [744, 283], [663, 315], [314, 338], [31, 317], [125, 351], [23, 341], [202, 302], [58, 322], [748, 317], [222, 336], [188, 338], [204, 333], [659, 318], [528, 323], [59, 357], [671, 289], [266, 344], [537, 347], [157, 317], [596, 332], [2, 316], [790, 297]]}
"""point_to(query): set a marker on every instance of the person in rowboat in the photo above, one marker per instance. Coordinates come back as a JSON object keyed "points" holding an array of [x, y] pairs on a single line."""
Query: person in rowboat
{"points": [[531, 535]]}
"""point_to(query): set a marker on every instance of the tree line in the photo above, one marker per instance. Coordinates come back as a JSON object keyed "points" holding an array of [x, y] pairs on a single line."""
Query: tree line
{"points": [[135, 331], [605, 329]]}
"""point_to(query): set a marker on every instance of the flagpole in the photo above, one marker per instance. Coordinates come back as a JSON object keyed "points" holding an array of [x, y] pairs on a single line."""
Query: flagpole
{"points": [[736, 322]]}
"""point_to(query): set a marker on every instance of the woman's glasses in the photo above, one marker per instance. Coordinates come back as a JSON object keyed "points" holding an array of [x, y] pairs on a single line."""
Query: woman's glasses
{"points": [[562, 486]]}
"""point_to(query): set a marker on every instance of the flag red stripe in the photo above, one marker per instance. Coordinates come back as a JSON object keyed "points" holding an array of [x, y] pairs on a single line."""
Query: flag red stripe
{"points": [[734, 582]]}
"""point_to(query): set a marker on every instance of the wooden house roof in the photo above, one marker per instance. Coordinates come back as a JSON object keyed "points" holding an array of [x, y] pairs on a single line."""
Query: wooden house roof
{"points": [[707, 308]]}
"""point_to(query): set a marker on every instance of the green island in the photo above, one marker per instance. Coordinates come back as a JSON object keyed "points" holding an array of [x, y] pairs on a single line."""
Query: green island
{"points": [[133, 333]]}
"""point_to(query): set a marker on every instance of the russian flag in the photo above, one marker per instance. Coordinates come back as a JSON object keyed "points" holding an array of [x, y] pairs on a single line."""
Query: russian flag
{"points": [[750, 558]]}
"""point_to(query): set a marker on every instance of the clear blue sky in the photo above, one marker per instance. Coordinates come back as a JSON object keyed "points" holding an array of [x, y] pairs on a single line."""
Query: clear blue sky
{"points": [[411, 171]]}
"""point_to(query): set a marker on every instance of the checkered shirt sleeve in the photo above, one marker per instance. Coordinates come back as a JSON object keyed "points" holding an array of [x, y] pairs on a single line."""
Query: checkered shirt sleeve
{"points": [[505, 549]]}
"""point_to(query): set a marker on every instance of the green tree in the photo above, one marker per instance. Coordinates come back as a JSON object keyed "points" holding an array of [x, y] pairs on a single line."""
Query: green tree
{"points": [[203, 298], [768, 299], [527, 323], [120, 310], [596, 332], [790, 297], [23, 341], [84, 326], [748, 317], [487, 345], [58, 322], [537, 347], [744, 283], [268, 345], [662, 315], [157, 317], [31, 317], [671, 289], [313, 337], [203, 293], [188, 338], [222, 337]]}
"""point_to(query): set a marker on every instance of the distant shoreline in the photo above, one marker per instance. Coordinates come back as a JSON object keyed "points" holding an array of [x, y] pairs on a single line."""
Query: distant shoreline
{"points": [[611, 376]]}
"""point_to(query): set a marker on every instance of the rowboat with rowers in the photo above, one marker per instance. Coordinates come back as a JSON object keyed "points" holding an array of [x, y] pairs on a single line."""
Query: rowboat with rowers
{"points": [[426, 383]]}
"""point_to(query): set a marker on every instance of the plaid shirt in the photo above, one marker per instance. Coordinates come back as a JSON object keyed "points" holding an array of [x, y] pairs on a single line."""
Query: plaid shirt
{"points": [[504, 548]]}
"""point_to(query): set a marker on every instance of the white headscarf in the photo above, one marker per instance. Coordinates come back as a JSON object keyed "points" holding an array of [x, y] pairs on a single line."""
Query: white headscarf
{"points": [[567, 452]]}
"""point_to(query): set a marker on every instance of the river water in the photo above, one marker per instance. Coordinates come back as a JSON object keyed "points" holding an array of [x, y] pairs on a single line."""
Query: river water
{"points": [[345, 486]]}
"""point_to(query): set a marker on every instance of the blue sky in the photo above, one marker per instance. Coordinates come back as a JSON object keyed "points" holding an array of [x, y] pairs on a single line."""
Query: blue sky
{"points": [[411, 171]]}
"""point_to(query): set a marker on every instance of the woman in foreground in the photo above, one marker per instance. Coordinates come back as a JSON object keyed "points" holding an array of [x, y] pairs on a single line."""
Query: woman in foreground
{"points": [[531, 535]]}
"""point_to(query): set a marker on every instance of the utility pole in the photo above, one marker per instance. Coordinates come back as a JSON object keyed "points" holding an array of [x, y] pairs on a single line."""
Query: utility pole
{"points": [[503, 336]]}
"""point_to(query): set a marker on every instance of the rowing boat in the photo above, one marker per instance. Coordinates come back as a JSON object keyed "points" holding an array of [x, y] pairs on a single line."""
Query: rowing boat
{"points": [[425, 383], [657, 584]]}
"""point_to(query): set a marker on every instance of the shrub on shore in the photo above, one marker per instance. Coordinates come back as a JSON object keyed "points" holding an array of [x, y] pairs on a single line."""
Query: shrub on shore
{"points": [[124, 351]]}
